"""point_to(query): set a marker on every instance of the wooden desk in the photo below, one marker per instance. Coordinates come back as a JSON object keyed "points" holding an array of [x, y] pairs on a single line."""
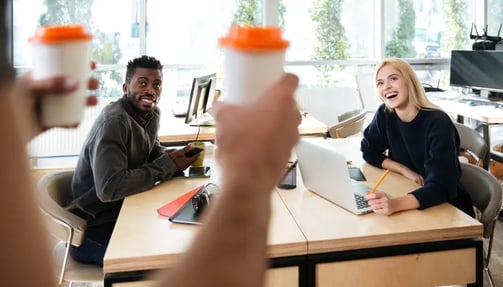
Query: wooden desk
{"points": [[313, 242], [437, 246], [486, 115], [143, 240], [174, 129]]}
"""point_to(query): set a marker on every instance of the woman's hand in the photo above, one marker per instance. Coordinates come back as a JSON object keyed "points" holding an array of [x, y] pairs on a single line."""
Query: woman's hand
{"points": [[415, 177], [380, 203]]}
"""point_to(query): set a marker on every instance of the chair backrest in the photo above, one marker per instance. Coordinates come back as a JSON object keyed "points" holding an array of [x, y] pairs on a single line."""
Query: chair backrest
{"points": [[471, 140], [54, 193], [346, 115], [366, 89], [485, 191], [349, 126]]}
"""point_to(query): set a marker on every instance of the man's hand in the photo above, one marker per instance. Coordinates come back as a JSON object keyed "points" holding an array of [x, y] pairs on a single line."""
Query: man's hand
{"points": [[178, 157]]}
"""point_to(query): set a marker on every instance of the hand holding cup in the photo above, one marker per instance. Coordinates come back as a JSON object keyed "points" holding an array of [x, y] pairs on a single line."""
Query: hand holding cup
{"points": [[62, 50]]}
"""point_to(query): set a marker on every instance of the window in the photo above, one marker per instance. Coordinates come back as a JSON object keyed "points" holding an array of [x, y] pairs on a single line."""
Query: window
{"points": [[328, 39], [305, 20], [494, 17], [427, 28], [184, 36], [331, 40], [114, 41], [187, 32]]}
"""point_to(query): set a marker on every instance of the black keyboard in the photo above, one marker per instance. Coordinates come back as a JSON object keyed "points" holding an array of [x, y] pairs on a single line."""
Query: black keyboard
{"points": [[480, 102], [361, 202]]}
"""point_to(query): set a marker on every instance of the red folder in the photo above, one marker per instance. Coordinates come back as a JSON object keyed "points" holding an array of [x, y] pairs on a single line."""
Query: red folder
{"points": [[172, 207]]}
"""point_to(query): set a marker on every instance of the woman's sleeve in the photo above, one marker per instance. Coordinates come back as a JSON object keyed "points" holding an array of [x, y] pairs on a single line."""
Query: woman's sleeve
{"points": [[442, 169], [375, 142]]}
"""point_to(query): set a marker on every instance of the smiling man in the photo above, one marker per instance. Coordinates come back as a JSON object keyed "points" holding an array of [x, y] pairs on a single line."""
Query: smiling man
{"points": [[122, 156]]}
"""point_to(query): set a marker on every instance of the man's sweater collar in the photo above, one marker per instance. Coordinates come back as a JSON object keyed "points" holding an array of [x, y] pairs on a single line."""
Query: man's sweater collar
{"points": [[140, 118]]}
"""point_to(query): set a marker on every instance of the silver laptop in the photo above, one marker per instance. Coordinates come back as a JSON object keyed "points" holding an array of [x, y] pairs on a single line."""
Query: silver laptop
{"points": [[325, 172]]}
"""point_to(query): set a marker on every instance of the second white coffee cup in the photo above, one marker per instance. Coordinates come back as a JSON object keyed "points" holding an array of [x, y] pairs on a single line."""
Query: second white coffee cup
{"points": [[253, 61]]}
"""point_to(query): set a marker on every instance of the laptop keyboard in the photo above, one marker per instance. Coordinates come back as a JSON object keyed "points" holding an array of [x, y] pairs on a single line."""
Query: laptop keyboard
{"points": [[361, 202]]}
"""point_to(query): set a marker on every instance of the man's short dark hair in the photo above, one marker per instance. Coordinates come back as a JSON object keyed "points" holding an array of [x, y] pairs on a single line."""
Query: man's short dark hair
{"points": [[142, 62]]}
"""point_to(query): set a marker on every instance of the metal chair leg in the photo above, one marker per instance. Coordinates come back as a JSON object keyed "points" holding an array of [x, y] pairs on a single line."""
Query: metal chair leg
{"points": [[489, 276], [488, 255]]}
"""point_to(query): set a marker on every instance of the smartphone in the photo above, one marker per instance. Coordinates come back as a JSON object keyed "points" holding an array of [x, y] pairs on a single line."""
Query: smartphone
{"points": [[289, 180], [193, 151], [199, 171], [356, 174]]}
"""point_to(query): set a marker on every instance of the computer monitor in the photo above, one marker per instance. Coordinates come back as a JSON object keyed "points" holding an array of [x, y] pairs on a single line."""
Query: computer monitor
{"points": [[480, 70], [210, 96], [202, 90]]}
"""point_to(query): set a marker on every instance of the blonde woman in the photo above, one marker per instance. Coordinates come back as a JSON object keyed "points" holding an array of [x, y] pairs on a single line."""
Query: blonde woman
{"points": [[411, 136]]}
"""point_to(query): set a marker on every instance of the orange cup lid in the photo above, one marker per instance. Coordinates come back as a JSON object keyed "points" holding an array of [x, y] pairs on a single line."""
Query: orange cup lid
{"points": [[60, 33], [254, 38]]}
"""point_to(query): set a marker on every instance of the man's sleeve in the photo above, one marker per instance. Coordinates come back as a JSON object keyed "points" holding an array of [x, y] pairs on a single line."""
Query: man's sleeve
{"points": [[109, 161]]}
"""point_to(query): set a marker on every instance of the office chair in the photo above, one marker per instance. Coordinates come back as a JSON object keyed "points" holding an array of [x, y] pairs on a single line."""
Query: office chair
{"points": [[485, 192], [350, 123], [472, 141], [366, 90], [54, 192]]}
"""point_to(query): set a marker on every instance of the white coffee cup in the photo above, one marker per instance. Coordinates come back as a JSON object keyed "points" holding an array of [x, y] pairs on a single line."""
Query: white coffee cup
{"points": [[62, 50], [254, 57]]}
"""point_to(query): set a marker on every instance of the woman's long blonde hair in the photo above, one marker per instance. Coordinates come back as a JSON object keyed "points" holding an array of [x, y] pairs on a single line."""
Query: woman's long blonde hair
{"points": [[417, 96]]}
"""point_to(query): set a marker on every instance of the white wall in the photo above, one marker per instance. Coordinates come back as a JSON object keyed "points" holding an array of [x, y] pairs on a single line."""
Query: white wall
{"points": [[326, 103], [66, 142]]}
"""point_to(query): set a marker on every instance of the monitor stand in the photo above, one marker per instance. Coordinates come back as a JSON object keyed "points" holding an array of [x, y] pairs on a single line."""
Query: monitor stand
{"points": [[203, 123], [206, 120]]}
